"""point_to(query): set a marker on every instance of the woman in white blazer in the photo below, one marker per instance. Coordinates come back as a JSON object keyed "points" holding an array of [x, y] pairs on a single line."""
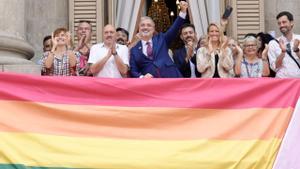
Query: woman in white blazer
{"points": [[215, 60]]}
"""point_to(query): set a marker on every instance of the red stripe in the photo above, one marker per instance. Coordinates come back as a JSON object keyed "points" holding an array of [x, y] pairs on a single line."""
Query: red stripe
{"points": [[189, 93]]}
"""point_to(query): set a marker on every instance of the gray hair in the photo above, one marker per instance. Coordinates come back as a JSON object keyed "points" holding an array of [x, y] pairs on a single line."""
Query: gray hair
{"points": [[249, 39], [147, 18]]}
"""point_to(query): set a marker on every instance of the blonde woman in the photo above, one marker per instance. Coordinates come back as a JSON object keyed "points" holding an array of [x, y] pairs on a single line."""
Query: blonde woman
{"points": [[214, 60], [251, 66]]}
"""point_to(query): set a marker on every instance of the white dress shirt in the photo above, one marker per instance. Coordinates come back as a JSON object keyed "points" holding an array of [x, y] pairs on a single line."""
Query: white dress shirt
{"points": [[144, 44]]}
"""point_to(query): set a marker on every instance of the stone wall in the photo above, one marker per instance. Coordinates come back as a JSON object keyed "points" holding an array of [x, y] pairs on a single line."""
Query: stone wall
{"points": [[273, 7], [42, 18]]}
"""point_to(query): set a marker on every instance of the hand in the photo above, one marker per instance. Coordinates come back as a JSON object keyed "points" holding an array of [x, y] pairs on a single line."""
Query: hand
{"points": [[113, 49], [183, 6], [225, 43], [54, 42], [237, 51], [109, 54], [190, 51], [81, 42], [282, 46], [69, 39], [148, 76], [87, 39], [224, 22], [210, 48], [138, 36], [264, 54]]}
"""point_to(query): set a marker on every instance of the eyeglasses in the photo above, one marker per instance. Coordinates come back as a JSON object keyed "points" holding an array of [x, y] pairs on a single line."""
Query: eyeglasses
{"points": [[251, 46]]}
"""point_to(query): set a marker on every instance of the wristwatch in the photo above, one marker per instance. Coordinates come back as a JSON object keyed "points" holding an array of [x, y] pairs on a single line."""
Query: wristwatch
{"points": [[116, 53], [296, 50]]}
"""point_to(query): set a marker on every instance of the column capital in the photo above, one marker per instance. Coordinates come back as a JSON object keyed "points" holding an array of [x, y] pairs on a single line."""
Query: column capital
{"points": [[18, 46]]}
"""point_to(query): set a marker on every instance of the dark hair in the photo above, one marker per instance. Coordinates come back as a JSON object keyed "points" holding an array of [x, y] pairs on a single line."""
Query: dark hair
{"points": [[287, 14], [46, 38], [86, 21], [123, 30], [250, 34], [186, 25], [265, 39]]}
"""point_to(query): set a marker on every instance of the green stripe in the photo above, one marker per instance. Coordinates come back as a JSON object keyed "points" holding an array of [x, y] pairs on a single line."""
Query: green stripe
{"points": [[20, 166]]}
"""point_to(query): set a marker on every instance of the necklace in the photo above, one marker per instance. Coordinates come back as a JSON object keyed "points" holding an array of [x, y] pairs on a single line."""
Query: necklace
{"points": [[250, 73]]}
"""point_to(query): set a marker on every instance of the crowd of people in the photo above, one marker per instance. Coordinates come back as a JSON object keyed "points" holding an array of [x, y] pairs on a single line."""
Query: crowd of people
{"points": [[214, 55]]}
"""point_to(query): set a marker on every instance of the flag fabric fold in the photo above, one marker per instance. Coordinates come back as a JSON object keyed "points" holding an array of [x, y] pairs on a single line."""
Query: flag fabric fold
{"points": [[79, 122]]}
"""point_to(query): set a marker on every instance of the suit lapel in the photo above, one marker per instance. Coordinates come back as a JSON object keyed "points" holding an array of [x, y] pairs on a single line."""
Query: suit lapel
{"points": [[155, 44], [184, 52], [140, 48]]}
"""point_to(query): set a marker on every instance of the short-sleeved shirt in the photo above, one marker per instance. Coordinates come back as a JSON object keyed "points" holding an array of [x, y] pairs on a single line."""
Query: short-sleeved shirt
{"points": [[110, 69]]}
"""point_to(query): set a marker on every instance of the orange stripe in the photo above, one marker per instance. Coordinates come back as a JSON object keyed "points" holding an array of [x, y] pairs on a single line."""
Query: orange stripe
{"points": [[143, 123]]}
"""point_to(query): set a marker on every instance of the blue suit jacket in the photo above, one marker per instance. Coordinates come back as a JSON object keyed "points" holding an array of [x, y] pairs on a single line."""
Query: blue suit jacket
{"points": [[161, 66], [183, 66]]}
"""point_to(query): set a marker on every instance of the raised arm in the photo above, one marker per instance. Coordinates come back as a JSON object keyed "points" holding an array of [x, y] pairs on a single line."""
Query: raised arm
{"points": [[121, 60], [266, 69], [276, 55], [203, 59], [170, 35]]}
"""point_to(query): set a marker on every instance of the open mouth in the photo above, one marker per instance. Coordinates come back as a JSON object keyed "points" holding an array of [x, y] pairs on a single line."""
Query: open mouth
{"points": [[146, 32], [121, 41]]}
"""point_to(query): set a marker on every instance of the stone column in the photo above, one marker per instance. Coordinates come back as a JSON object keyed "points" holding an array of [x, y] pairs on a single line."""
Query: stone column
{"points": [[15, 51]]}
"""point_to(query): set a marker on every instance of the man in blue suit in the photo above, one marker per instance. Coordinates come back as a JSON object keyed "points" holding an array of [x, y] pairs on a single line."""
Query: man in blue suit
{"points": [[185, 57], [150, 57]]}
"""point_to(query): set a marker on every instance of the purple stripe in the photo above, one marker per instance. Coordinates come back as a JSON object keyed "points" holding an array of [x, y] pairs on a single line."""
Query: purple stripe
{"points": [[289, 153]]}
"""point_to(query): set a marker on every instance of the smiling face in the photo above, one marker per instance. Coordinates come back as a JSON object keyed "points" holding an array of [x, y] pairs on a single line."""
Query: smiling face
{"points": [[146, 28], [285, 25], [214, 33], [250, 46], [188, 35], [122, 38], [61, 38]]}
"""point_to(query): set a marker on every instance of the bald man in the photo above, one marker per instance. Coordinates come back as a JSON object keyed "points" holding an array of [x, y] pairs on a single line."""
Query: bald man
{"points": [[109, 59]]}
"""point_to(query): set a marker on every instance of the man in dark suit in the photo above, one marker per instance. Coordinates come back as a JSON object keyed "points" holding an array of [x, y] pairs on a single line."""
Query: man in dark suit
{"points": [[150, 57], [185, 57]]}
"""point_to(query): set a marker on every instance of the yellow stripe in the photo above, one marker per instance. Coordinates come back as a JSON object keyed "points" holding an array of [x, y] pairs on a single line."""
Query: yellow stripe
{"points": [[57, 151]]}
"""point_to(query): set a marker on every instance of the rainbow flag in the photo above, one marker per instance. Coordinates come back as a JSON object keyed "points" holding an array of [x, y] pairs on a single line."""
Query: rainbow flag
{"points": [[81, 122]]}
